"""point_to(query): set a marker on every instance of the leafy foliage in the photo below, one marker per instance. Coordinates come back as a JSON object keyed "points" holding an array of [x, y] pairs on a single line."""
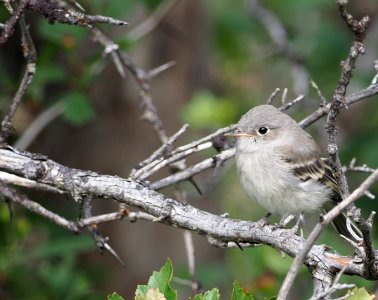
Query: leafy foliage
{"points": [[158, 288]]}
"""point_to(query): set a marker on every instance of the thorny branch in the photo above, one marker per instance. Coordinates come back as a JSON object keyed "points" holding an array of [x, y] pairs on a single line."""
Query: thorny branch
{"points": [[171, 212], [30, 55], [35, 171], [358, 29]]}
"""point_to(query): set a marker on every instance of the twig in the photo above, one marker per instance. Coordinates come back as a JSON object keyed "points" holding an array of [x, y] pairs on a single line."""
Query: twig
{"points": [[109, 48], [20, 181], [44, 119], [160, 151], [291, 103], [284, 96], [371, 90], [148, 25], [338, 98], [327, 218], [272, 96], [182, 152], [192, 170], [11, 23], [352, 167], [116, 216], [55, 13], [318, 91], [23, 200], [31, 57], [101, 241]]}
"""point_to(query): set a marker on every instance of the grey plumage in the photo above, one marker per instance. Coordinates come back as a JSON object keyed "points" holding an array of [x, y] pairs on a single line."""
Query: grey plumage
{"points": [[279, 165]]}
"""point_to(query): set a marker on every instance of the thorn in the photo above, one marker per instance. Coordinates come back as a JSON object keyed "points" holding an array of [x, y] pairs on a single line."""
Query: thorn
{"points": [[154, 72], [191, 180], [240, 247], [115, 255]]}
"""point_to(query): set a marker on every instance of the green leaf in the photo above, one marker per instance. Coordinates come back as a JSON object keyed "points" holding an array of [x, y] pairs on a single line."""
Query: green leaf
{"points": [[115, 296], [152, 294], [159, 280], [239, 294], [78, 110], [208, 110], [209, 295], [360, 294]]}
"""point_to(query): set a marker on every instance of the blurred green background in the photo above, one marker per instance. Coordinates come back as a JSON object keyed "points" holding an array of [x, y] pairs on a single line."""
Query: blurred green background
{"points": [[226, 63]]}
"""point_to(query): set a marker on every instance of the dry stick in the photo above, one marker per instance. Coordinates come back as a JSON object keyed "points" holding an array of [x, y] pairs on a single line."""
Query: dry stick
{"points": [[272, 96], [161, 150], [319, 92], [338, 100], [31, 57], [23, 200], [44, 119], [116, 216], [11, 23], [109, 48], [152, 22], [181, 152], [101, 241], [20, 181], [193, 170], [327, 218], [352, 167], [54, 12], [291, 103], [169, 211], [371, 90]]}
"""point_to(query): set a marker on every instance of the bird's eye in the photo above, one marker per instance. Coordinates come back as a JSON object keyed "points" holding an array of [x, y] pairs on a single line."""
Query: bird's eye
{"points": [[263, 130]]}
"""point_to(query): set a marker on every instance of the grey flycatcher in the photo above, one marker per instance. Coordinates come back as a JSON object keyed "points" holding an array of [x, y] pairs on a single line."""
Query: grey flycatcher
{"points": [[279, 165]]}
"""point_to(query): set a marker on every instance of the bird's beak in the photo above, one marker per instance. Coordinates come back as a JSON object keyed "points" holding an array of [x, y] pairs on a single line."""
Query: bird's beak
{"points": [[238, 133]]}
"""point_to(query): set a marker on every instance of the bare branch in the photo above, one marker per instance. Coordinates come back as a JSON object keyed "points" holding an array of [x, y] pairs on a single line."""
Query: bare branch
{"points": [[371, 90], [193, 170], [148, 25], [17, 197], [8, 27], [31, 57], [338, 99], [272, 96], [160, 151], [171, 212], [20, 181], [318, 91], [44, 119], [55, 13], [291, 103]]}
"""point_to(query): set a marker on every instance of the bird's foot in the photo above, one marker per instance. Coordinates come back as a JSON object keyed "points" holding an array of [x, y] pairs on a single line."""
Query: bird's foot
{"points": [[297, 227], [264, 220]]}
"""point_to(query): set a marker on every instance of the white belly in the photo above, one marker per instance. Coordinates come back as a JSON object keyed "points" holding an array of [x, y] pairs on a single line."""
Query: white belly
{"points": [[275, 187]]}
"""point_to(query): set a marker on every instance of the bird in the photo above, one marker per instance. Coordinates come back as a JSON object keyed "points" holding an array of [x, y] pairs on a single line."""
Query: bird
{"points": [[280, 166]]}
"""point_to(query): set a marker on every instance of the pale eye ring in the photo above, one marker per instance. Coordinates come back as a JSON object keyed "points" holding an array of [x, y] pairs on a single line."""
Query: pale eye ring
{"points": [[263, 130]]}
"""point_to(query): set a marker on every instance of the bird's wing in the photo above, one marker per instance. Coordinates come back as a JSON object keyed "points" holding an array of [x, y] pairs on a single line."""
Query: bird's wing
{"points": [[307, 164], [318, 170]]}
